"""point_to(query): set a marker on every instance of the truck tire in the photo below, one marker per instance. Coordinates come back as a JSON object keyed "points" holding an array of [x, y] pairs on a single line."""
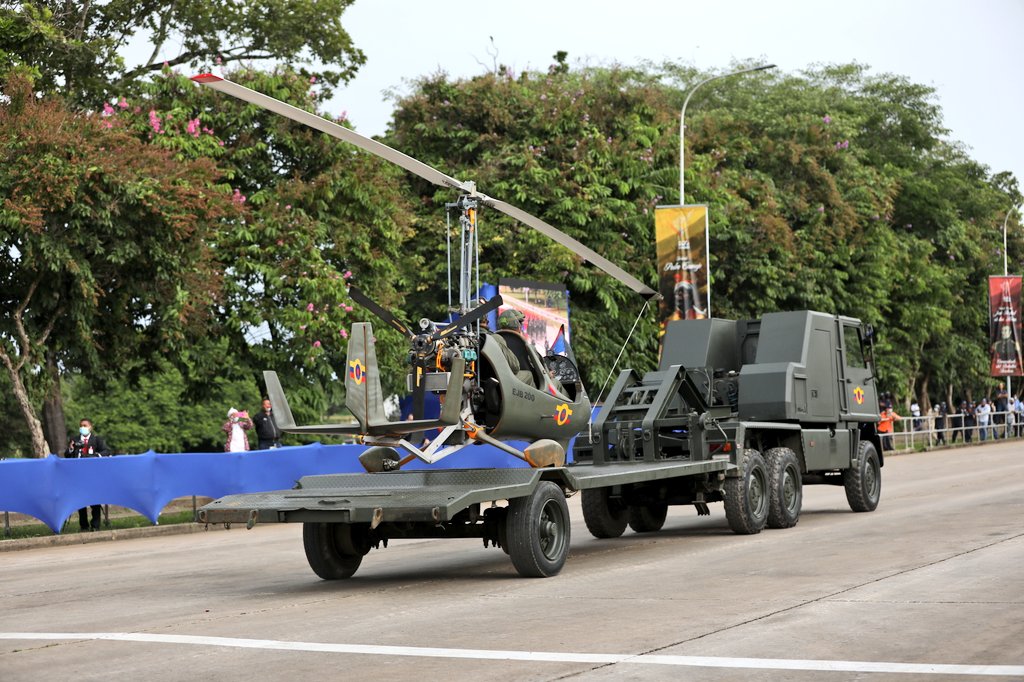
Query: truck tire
{"points": [[605, 518], [746, 495], [324, 551], [863, 482], [538, 531], [785, 488], [647, 518]]}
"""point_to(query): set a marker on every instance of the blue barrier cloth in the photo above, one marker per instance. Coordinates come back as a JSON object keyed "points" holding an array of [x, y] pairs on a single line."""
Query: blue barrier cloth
{"points": [[51, 489]]}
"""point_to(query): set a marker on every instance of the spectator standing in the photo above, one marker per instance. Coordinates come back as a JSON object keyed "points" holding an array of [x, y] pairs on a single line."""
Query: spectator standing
{"points": [[967, 413], [1018, 414], [941, 415], [235, 427], [915, 412], [984, 412], [267, 433], [956, 423], [885, 424], [87, 444], [1001, 407]]}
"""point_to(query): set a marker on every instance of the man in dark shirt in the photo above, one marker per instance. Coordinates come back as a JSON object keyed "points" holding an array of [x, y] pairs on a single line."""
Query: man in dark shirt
{"points": [[267, 433], [87, 444]]}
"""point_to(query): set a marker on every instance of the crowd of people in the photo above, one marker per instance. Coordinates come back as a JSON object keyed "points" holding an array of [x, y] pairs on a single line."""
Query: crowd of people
{"points": [[967, 422]]}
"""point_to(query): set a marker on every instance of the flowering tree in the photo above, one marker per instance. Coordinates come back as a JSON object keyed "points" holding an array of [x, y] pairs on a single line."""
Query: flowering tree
{"points": [[317, 215], [105, 254]]}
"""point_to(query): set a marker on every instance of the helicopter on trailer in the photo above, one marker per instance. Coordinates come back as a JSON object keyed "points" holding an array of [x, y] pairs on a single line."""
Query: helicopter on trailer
{"points": [[493, 384]]}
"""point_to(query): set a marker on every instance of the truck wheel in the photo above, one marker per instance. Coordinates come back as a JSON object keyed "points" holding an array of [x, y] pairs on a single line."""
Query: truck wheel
{"points": [[538, 531], [605, 518], [647, 518], [785, 489], [324, 543], [746, 495], [863, 482]]}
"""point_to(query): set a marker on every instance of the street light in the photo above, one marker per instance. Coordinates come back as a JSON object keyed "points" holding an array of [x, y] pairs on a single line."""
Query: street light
{"points": [[1005, 220], [682, 123]]}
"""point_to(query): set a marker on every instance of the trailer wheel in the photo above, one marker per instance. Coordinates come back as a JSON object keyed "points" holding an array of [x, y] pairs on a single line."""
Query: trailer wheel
{"points": [[863, 482], [605, 517], [324, 544], [746, 495], [785, 489], [538, 531], [647, 518]]}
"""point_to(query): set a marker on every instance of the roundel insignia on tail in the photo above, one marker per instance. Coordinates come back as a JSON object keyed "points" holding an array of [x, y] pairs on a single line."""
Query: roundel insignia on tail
{"points": [[356, 371], [562, 414]]}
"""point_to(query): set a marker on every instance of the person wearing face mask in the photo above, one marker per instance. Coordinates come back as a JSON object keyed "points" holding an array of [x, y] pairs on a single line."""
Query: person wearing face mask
{"points": [[87, 444], [267, 433]]}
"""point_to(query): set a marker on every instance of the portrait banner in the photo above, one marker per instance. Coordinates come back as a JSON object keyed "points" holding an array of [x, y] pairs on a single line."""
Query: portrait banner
{"points": [[545, 309], [1005, 326], [681, 233]]}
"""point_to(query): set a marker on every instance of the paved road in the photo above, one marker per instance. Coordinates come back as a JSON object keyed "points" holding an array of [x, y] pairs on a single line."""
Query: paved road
{"points": [[927, 587]]}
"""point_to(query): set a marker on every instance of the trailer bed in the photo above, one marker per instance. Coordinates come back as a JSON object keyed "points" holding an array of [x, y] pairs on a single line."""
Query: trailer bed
{"points": [[428, 495]]}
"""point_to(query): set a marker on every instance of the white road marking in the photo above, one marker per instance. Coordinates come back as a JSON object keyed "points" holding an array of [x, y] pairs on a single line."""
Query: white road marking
{"points": [[537, 656]]}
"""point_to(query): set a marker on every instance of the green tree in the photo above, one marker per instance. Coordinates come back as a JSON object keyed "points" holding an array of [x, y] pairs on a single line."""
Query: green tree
{"points": [[832, 189], [318, 215], [155, 411], [76, 49], [105, 255]]}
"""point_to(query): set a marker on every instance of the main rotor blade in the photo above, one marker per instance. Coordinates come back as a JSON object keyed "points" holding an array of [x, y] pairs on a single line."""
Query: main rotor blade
{"points": [[333, 129], [565, 240], [371, 305], [424, 171], [470, 317]]}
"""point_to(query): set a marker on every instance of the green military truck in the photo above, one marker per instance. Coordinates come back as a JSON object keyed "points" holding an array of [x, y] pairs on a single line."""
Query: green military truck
{"points": [[740, 412]]}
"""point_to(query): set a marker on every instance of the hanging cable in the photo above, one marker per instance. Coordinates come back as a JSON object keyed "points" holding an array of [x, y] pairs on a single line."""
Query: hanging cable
{"points": [[590, 423]]}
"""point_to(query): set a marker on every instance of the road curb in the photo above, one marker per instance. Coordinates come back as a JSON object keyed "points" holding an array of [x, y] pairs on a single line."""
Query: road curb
{"points": [[103, 536]]}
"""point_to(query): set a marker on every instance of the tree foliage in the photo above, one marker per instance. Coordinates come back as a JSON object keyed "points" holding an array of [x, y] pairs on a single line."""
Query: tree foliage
{"points": [[317, 216], [105, 246], [77, 49], [832, 189]]}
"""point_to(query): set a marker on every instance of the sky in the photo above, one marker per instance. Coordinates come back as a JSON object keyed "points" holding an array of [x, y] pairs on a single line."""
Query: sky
{"points": [[970, 51]]}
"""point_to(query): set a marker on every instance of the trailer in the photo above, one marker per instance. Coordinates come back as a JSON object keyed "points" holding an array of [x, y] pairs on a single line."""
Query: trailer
{"points": [[739, 412]]}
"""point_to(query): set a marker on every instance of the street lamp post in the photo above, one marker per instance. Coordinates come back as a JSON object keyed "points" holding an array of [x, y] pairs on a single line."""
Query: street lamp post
{"points": [[682, 123]]}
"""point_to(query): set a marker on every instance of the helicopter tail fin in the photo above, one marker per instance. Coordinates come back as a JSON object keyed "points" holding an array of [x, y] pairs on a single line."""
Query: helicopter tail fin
{"points": [[363, 394], [282, 412]]}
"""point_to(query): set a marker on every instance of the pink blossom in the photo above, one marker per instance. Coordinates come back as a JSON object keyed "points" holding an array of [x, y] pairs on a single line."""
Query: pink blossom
{"points": [[312, 80], [288, 207], [280, 242], [344, 333], [827, 119], [238, 197], [316, 344], [123, 103], [302, 327], [348, 309], [154, 121], [107, 109], [347, 274], [193, 127], [310, 308]]}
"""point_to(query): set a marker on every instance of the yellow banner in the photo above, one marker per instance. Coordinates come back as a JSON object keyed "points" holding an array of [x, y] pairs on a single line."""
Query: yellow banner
{"points": [[682, 245]]}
